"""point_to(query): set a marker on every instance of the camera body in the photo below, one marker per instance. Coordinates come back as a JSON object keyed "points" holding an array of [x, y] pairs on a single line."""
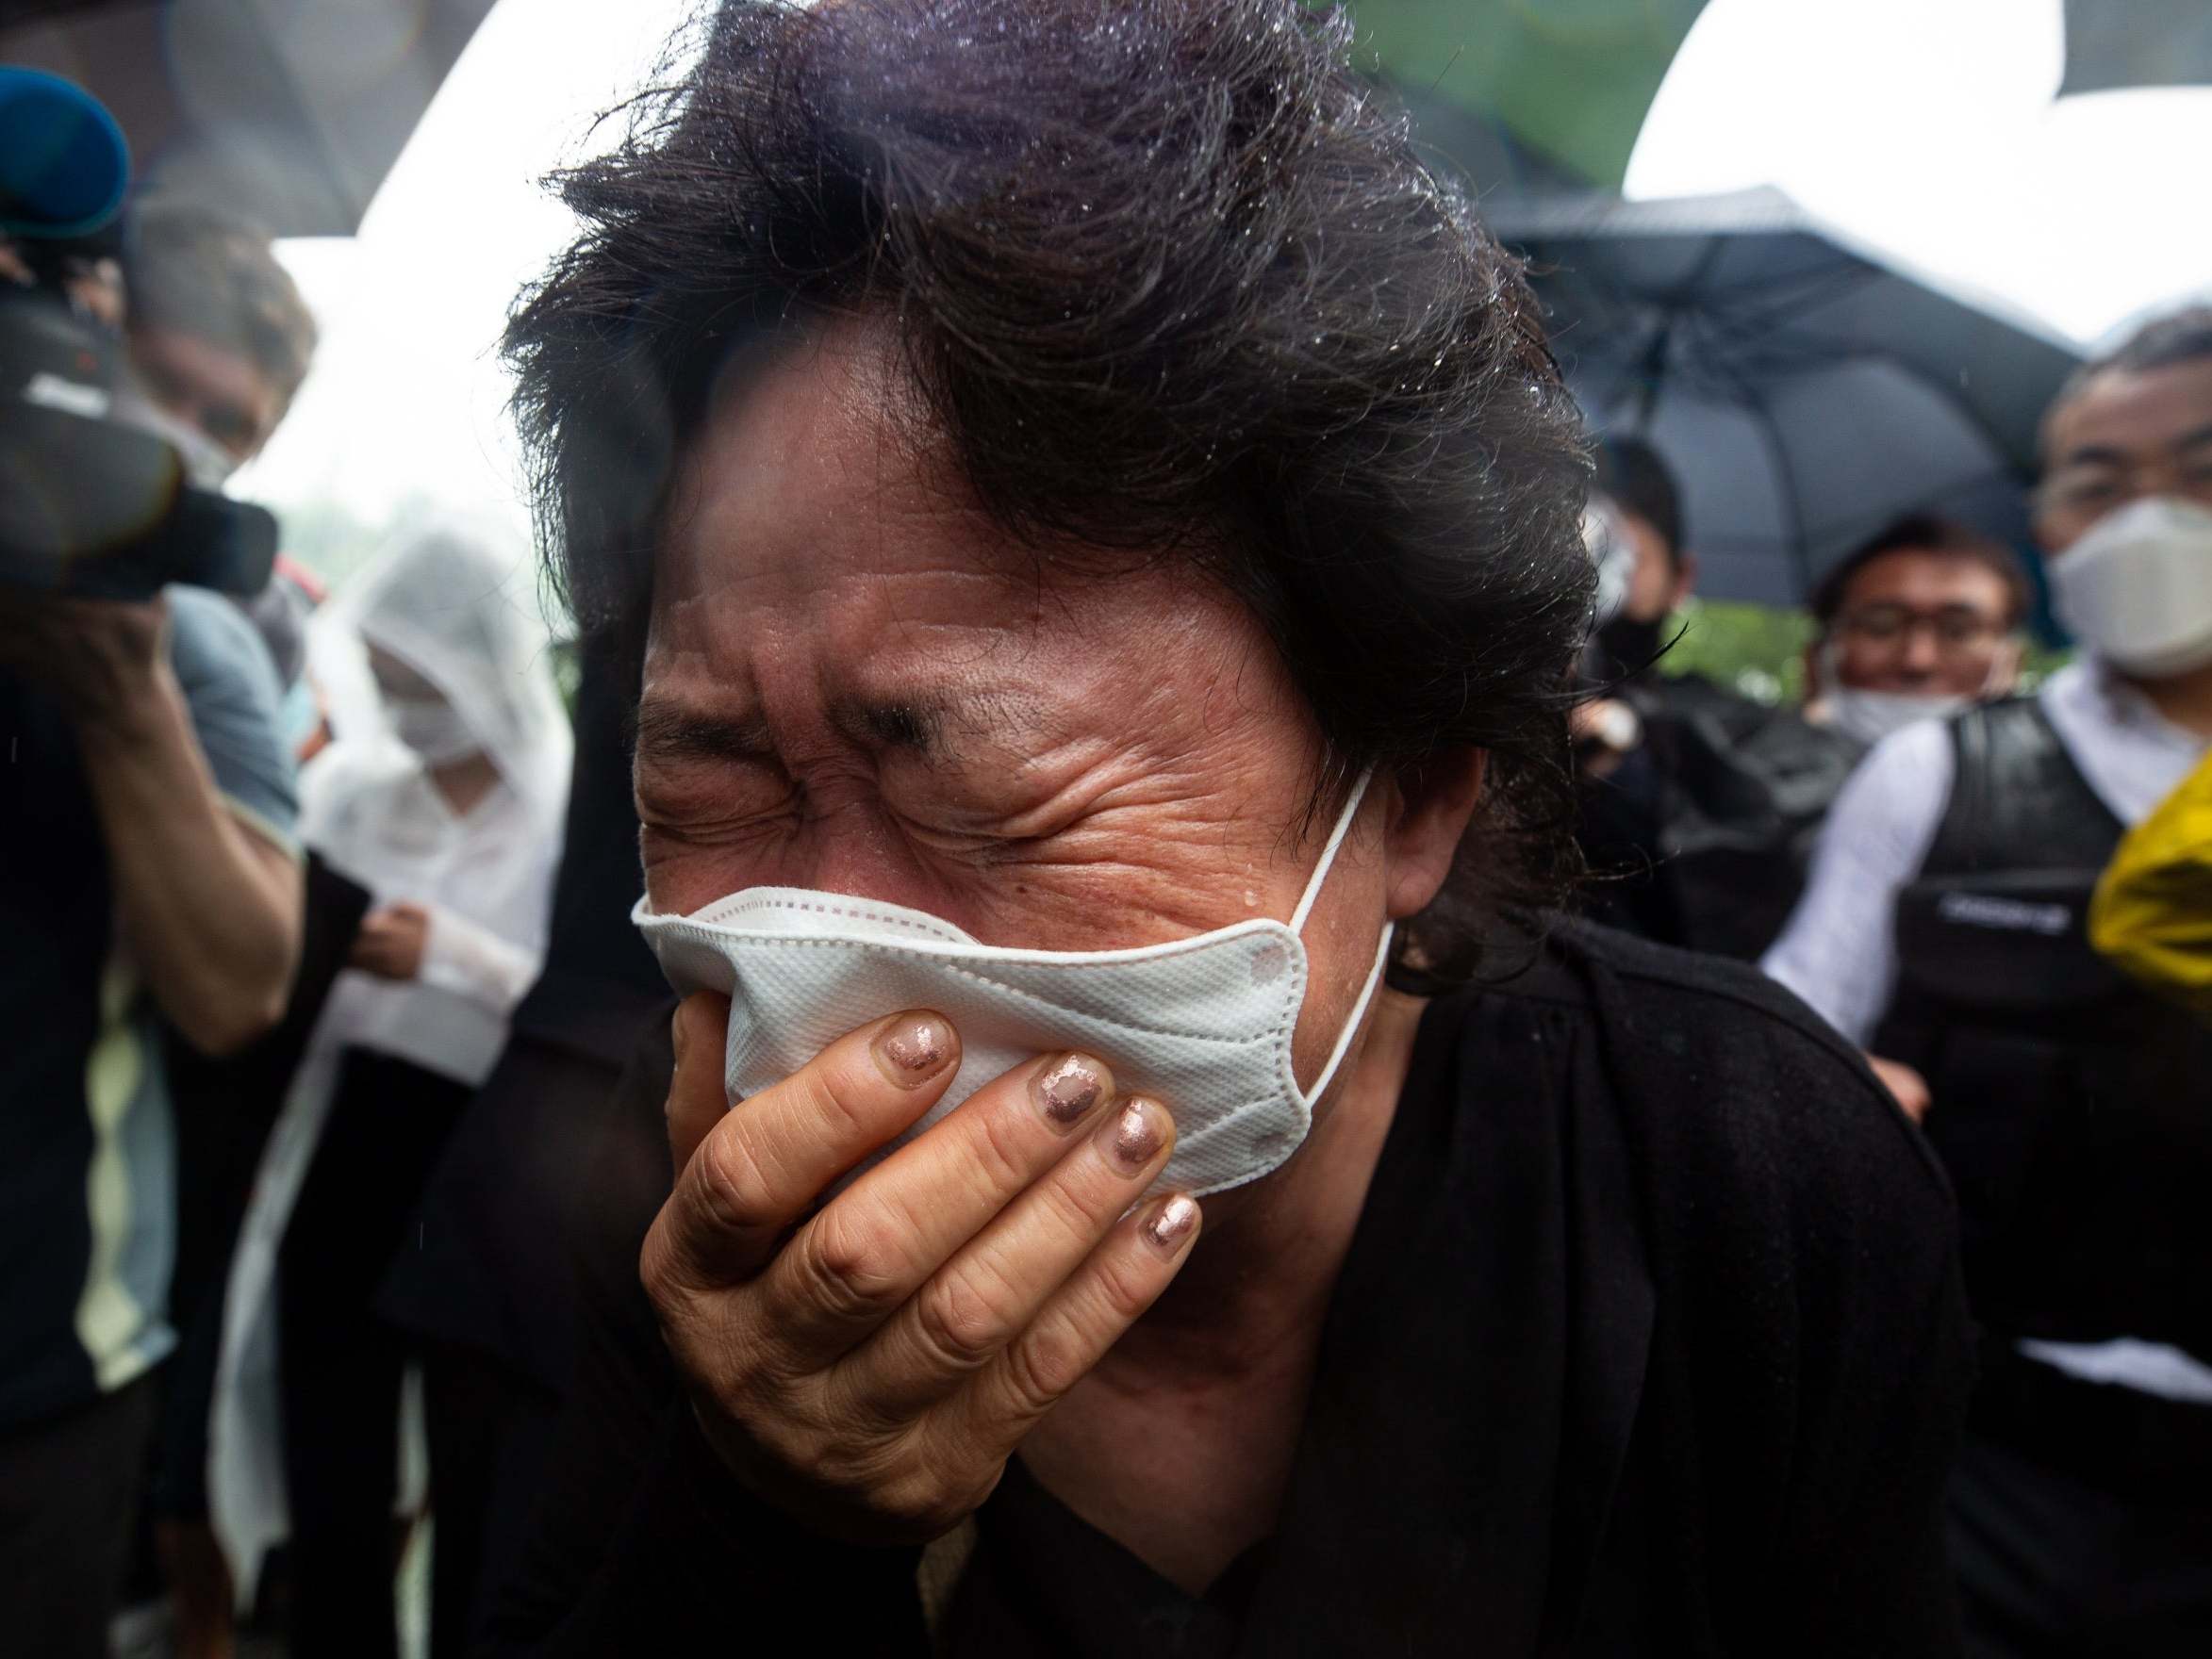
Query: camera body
{"points": [[90, 506]]}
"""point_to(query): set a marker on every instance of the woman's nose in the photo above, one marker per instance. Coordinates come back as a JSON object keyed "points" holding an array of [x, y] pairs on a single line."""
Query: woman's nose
{"points": [[856, 849]]}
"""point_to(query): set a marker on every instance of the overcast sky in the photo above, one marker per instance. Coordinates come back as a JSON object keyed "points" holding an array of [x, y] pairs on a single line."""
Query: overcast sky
{"points": [[1926, 127]]}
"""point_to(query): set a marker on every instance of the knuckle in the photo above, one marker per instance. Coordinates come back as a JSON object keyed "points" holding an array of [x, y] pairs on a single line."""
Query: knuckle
{"points": [[1125, 1287], [852, 1263], [1070, 1209], [1039, 1369], [922, 1502], [729, 1180], [658, 1270], [959, 1322], [835, 1095], [1002, 1160]]}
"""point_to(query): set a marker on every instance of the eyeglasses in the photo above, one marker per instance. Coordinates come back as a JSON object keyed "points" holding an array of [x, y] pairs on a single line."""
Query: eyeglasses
{"points": [[1956, 630]]}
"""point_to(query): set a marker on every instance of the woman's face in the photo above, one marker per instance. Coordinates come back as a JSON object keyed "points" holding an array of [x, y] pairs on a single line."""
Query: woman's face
{"points": [[397, 681], [854, 684]]}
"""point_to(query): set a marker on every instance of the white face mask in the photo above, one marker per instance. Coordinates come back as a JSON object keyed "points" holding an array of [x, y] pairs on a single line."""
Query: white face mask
{"points": [[2137, 589], [433, 729], [206, 464], [1872, 715], [1202, 1024]]}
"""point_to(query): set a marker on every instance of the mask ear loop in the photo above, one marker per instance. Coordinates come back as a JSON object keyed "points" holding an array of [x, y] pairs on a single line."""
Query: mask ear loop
{"points": [[1336, 839], [1297, 925]]}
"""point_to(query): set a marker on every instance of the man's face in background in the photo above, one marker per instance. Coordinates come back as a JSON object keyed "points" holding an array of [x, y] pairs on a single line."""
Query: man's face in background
{"points": [[210, 386], [2124, 437], [1925, 622], [1657, 582]]}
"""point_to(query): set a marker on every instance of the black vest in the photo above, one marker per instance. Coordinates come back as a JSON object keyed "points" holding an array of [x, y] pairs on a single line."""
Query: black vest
{"points": [[2072, 1109]]}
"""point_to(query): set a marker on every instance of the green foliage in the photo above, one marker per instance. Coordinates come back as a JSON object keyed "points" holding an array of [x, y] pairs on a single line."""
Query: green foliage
{"points": [[1572, 79], [1754, 649]]}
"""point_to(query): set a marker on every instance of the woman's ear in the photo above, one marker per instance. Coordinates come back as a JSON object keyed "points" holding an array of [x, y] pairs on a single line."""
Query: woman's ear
{"points": [[1430, 806]]}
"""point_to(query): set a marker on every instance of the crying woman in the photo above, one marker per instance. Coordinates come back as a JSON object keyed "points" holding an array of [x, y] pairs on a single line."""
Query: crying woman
{"points": [[1096, 523]]}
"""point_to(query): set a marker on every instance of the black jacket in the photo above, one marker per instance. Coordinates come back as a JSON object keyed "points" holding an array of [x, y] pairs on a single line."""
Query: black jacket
{"points": [[1650, 1342]]}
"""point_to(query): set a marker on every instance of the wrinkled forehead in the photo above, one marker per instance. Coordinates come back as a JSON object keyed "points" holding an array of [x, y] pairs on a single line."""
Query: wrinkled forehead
{"points": [[2125, 415], [817, 520], [811, 450]]}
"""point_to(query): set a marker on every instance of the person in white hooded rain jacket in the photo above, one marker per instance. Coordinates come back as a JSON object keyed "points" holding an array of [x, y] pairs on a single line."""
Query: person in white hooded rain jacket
{"points": [[444, 796]]}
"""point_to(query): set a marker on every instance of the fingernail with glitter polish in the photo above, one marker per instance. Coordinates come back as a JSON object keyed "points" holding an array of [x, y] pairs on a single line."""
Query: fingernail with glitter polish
{"points": [[1133, 1135], [914, 1048], [1068, 1088], [1169, 1225]]}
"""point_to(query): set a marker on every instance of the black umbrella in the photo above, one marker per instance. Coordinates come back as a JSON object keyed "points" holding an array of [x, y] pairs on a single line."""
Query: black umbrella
{"points": [[2114, 44], [291, 114], [1805, 392]]}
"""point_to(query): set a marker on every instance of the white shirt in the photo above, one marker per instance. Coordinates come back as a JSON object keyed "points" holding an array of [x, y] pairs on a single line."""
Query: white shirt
{"points": [[485, 877], [1839, 951]]}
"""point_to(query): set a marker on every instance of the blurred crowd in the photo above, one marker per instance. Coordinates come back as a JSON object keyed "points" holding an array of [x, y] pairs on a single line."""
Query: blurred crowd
{"points": [[319, 969]]}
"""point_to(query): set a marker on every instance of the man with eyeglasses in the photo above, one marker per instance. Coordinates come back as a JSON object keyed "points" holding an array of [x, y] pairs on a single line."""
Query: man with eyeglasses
{"points": [[1914, 624], [1943, 928]]}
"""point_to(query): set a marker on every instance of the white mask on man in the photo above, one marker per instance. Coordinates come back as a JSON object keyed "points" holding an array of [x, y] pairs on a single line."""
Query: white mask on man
{"points": [[1872, 715], [206, 464], [2137, 588], [1202, 1024]]}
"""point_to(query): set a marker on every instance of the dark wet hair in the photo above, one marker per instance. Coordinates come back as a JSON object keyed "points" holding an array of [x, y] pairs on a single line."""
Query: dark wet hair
{"points": [[1926, 533], [1639, 481], [1170, 280], [2163, 342]]}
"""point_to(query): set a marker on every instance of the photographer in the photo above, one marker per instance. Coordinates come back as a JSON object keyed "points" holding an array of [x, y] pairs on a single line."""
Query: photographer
{"points": [[218, 337], [146, 874]]}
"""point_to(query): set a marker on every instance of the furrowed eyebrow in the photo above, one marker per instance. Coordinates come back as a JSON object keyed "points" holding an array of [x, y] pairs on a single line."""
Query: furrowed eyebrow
{"points": [[666, 731], [918, 727], [933, 725]]}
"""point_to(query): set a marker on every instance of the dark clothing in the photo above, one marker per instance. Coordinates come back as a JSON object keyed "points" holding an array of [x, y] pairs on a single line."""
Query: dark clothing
{"points": [[69, 1494], [1703, 834], [1649, 1342], [480, 1284], [84, 1284], [56, 916], [2072, 1103], [482, 1275], [2055, 1567], [490, 1244], [2070, 1112], [88, 1226], [340, 1367], [488, 1436], [225, 1110]]}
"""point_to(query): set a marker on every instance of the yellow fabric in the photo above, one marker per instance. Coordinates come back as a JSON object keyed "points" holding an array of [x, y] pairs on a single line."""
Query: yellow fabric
{"points": [[2153, 912]]}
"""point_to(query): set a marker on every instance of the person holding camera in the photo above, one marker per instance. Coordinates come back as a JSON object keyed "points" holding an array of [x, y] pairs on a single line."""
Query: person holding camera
{"points": [[147, 877]]}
